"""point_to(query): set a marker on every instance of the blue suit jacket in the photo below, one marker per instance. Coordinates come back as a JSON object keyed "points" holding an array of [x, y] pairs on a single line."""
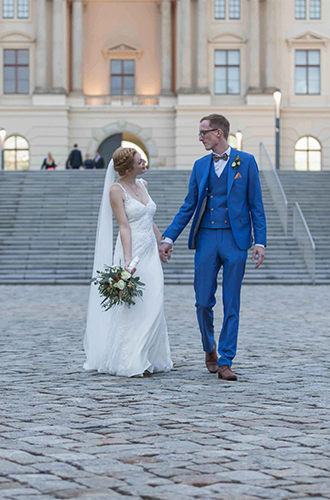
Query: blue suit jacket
{"points": [[244, 201]]}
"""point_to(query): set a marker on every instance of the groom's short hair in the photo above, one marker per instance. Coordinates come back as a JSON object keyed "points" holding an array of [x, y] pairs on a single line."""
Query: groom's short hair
{"points": [[218, 121]]}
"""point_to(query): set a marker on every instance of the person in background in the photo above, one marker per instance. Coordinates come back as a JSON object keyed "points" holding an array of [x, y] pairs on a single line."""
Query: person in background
{"points": [[75, 158], [49, 163], [88, 163], [98, 161]]}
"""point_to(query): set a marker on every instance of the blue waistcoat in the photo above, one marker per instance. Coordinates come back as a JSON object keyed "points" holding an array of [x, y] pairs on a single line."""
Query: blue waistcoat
{"points": [[216, 212]]}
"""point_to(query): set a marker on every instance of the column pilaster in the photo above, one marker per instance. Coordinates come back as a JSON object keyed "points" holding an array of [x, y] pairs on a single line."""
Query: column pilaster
{"points": [[58, 48], [186, 48], [41, 49], [77, 46], [271, 45], [202, 74], [166, 48], [254, 46]]}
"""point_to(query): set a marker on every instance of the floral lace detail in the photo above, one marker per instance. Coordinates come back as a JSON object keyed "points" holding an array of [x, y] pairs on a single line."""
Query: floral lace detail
{"points": [[140, 218]]}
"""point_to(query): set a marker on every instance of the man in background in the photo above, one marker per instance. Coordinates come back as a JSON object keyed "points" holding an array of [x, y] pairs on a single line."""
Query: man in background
{"points": [[75, 158], [98, 161], [88, 163]]}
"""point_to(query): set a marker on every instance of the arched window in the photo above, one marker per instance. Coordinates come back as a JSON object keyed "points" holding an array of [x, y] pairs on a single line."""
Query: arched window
{"points": [[232, 141], [307, 154], [16, 153]]}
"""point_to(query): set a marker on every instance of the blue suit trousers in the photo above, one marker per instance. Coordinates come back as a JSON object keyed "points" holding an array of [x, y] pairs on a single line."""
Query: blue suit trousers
{"points": [[216, 248]]}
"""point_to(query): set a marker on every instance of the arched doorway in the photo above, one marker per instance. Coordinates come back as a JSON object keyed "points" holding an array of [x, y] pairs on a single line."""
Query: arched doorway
{"points": [[110, 144]]}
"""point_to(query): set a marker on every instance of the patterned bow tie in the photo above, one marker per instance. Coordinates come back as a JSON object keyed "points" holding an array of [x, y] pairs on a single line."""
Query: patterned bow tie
{"points": [[223, 157]]}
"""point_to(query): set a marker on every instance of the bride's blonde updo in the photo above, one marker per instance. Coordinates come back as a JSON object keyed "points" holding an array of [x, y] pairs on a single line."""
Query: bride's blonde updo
{"points": [[123, 159]]}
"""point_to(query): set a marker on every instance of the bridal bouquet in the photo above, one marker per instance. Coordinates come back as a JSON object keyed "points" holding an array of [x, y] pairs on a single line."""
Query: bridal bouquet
{"points": [[117, 286]]}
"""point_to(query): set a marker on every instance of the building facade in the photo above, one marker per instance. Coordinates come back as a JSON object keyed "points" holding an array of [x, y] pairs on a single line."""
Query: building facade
{"points": [[99, 72]]}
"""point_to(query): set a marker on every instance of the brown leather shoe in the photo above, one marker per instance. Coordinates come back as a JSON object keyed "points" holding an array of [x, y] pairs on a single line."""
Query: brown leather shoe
{"points": [[211, 360], [226, 373]]}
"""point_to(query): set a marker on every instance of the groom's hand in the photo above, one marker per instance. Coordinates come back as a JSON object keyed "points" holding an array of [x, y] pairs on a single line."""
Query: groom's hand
{"points": [[260, 252], [165, 250]]}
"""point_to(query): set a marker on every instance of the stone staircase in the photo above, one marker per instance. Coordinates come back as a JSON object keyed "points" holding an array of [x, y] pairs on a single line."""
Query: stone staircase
{"points": [[48, 223], [312, 191]]}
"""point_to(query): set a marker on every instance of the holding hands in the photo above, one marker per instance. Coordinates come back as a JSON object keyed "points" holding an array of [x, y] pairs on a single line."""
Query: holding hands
{"points": [[165, 250]]}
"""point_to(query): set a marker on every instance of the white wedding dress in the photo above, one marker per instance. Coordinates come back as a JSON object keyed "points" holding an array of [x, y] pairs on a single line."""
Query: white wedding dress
{"points": [[136, 339]]}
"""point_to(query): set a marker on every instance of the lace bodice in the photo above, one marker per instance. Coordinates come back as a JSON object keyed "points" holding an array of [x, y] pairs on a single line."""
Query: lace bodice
{"points": [[140, 218]]}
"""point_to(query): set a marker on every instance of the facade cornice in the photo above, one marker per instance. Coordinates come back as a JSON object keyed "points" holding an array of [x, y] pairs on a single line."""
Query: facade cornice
{"points": [[17, 37], [308, 38], [227, 39], [122, 50]]}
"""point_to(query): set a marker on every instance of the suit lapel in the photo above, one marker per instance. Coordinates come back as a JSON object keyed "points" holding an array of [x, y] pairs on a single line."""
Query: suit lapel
{"points": [[231, 171], [207, 167]]}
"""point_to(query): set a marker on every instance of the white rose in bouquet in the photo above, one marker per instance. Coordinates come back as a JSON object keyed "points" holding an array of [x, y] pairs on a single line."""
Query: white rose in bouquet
{"points": [[120, 285], [125, 275]]}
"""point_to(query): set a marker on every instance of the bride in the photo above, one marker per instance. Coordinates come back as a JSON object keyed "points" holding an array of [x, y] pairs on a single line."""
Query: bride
{"points": [[128, 341]]}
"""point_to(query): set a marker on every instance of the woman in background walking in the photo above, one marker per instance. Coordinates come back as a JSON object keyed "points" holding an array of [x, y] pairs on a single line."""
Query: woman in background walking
{"points": [[49, 163]]}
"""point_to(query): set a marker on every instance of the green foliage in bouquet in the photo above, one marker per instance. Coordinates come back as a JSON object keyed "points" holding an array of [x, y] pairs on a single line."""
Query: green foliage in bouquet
{"points": [[117, 286]]}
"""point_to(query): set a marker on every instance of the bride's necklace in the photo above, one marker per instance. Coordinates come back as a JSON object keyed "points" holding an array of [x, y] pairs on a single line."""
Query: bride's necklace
{"points": [[134, 191]]}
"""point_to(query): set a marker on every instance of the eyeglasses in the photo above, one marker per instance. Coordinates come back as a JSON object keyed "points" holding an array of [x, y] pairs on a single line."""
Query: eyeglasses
{"points": [[202, 133]]}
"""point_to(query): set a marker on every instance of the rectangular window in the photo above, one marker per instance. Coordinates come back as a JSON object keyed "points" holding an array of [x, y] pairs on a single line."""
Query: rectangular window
{"points": [[227, 72], [234, 9], [308, 71], [23, 9], [300, 9], [16, 71], [122, 77], [7, 9], [220, 9], [315, 9]]}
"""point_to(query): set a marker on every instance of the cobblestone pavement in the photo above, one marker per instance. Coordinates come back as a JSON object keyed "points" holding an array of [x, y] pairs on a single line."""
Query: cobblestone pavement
{"points": [[65, 433]]}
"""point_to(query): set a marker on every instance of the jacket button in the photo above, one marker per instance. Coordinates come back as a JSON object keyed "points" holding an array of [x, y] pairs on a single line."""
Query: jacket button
{"points": [[225, 222], [212, 209], [211, 196], [226, 208], [212, 222]]}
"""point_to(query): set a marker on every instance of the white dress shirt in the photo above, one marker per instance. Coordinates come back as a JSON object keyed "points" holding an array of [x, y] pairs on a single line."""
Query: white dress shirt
{"points": [[219, 167]]}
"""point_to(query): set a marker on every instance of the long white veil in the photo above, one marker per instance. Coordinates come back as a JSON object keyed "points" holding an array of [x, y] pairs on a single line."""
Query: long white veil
{"points": [[98, 321]]}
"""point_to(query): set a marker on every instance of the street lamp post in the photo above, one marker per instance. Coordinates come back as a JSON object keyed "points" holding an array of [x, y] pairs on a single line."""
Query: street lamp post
{"points": [[277, 98], [3, 134], [239, 137]]}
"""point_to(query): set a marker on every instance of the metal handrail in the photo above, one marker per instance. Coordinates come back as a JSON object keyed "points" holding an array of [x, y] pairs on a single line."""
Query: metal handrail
{"points": [[275, 187], [305, 240]]}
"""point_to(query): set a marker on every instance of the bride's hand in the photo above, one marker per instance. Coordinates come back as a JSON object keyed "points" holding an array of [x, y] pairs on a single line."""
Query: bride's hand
{"points": [[127, 263]]}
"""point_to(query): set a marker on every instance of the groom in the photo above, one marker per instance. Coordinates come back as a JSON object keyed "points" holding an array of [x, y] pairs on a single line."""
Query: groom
{"points": [[224, 196]]}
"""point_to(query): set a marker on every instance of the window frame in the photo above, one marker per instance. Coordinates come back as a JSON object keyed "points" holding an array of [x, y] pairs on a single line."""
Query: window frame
{"points": [[308, 7], [16, 17], [239, 9], [307, 151], [15, 149], [14, 11], [227, 10], [227, 66], [122, 75], [16, 65], [295, 10], [307, 66], [28, 9], [215, 8]]}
